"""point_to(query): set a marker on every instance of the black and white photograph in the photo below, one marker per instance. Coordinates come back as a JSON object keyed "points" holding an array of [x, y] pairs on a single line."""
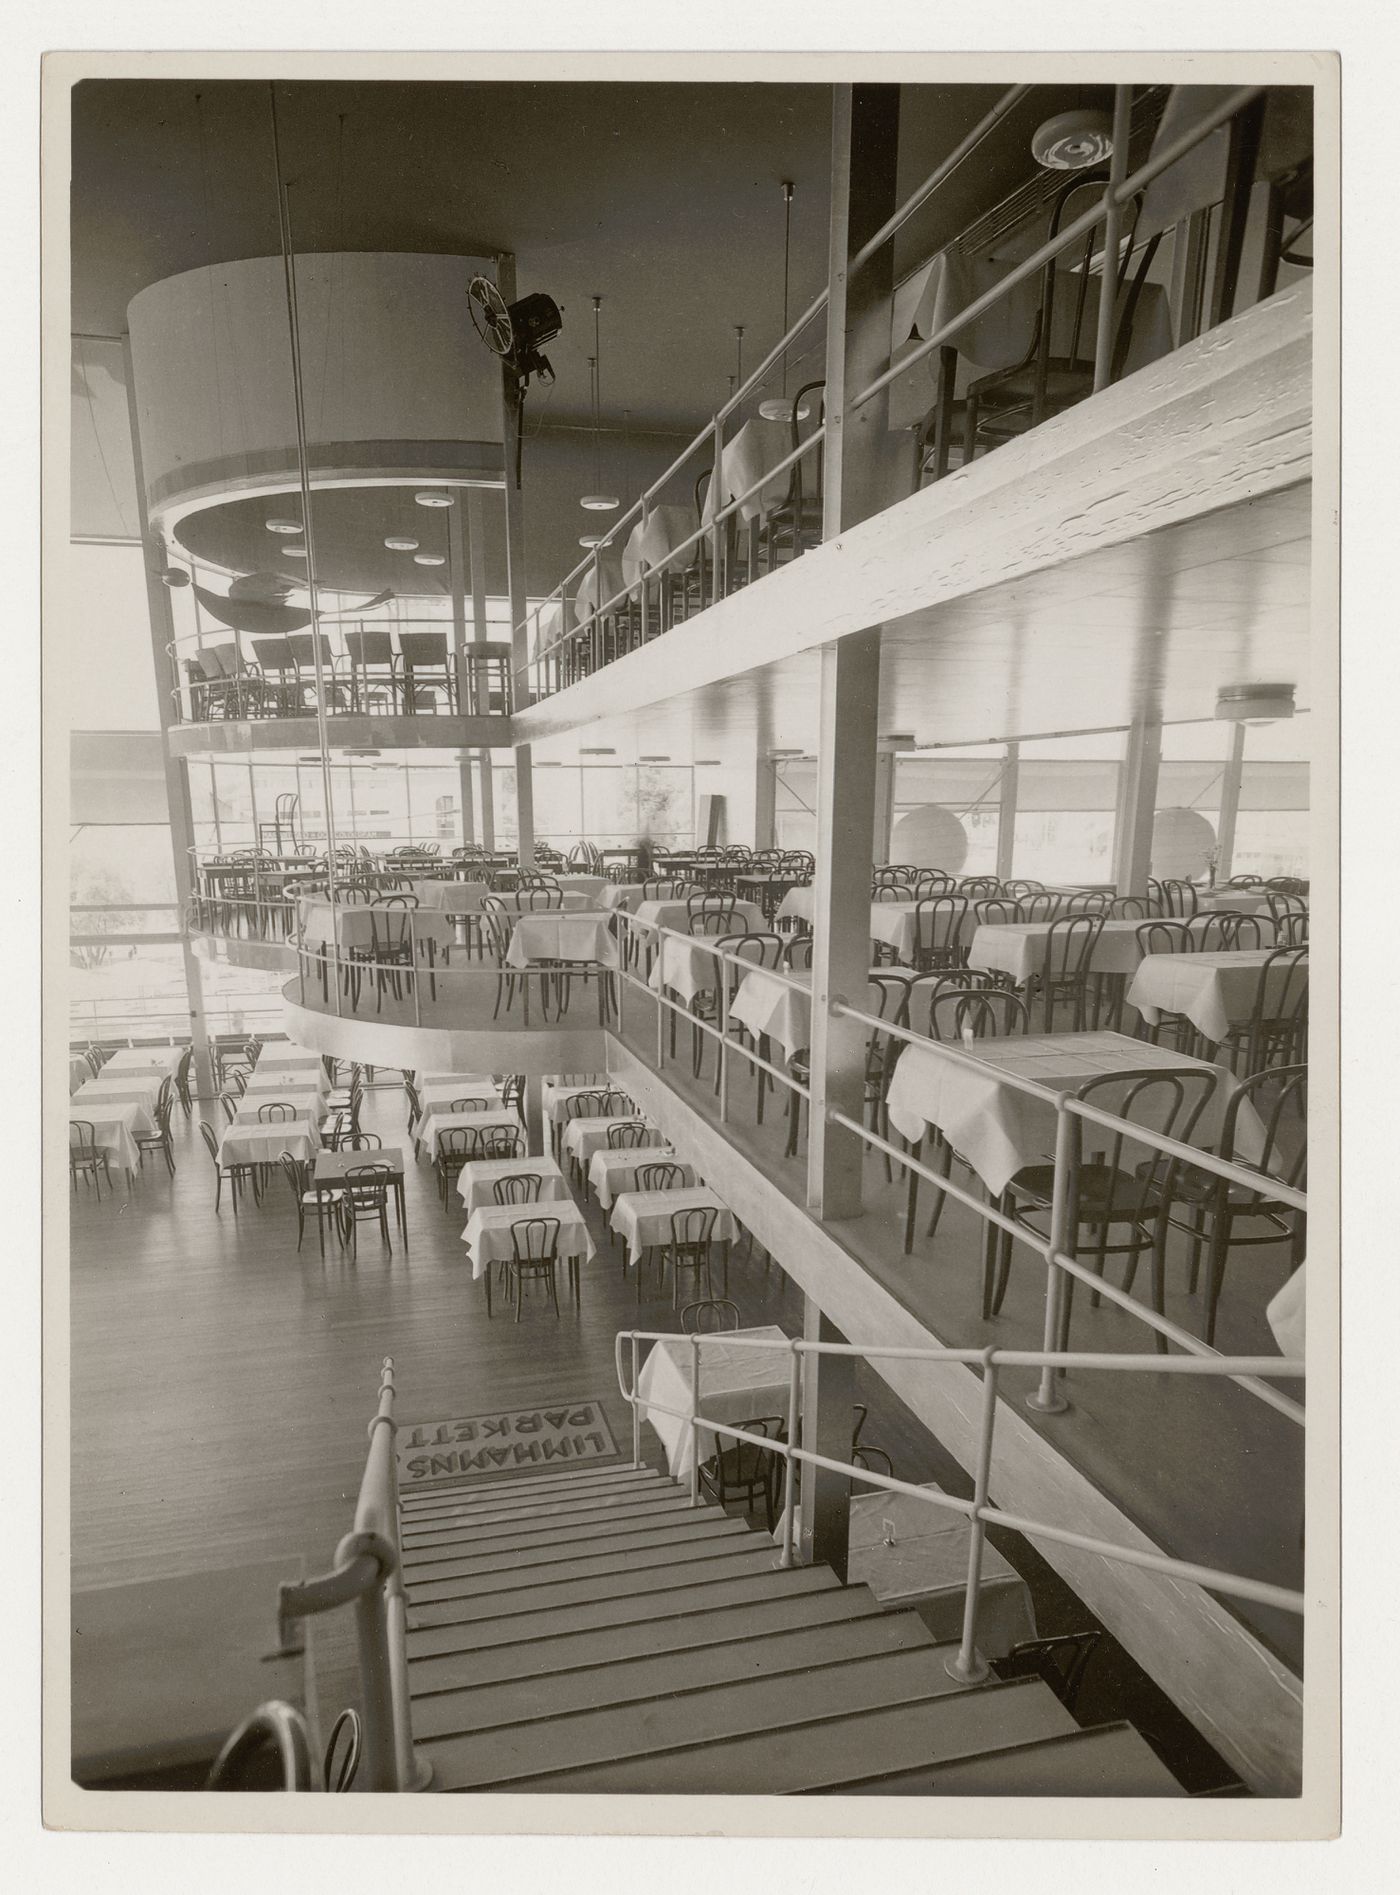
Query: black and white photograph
{"points": [[692, 720]]}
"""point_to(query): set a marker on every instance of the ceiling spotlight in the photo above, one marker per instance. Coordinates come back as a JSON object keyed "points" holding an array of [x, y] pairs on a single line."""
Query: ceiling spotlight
{"points": [[1255, 703], [591, 539], [584, 751], [284, 526], [665, 759], [400, 543], [432, 498], [600, 502], [776, 409], [1071, 141], [429, 559]]}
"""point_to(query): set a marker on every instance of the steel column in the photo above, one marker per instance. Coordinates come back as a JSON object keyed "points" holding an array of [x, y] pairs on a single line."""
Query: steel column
{"points": [[1229, 806], [1137, 806], [1006, 814], [515, 583], [457, 574], [828, 1384]]}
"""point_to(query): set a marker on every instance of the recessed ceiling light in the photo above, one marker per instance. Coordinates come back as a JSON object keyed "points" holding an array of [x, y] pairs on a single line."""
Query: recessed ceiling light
{"points": [[284, 526], [600, 503], [707, 763], [430, 498], [429, 559], [596, 751], [400, 543], [665, 759], [1071, 141]]}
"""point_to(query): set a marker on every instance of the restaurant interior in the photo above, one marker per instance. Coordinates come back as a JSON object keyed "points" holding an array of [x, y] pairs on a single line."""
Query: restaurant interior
{"points": [[690, 872]]}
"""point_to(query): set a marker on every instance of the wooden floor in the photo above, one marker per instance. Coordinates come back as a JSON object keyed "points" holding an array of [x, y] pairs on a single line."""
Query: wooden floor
{"points": [[221, 1383]]}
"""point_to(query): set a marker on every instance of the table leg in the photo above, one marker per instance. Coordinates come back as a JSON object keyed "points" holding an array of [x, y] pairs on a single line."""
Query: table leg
{"points": [[486, 1279]]}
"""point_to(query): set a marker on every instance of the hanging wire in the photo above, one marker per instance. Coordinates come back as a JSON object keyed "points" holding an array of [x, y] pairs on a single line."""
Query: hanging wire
{"points": [[597, 393], [787, 261], [209, 267]]}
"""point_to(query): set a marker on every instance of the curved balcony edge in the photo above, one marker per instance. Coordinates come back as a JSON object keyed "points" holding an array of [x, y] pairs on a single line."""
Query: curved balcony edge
{"points": [[233, 950], [530, 1050], [362, 730]]}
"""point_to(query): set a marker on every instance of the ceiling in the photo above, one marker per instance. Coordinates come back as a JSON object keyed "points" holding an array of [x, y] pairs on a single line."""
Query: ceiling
{"points": [[1164, 620]]}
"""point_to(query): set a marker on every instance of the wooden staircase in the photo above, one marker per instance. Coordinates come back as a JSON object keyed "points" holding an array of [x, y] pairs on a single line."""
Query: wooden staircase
{"points": [[591, 1631]]}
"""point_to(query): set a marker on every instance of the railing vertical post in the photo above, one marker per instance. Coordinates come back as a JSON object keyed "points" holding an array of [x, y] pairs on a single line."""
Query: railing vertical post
{"points": [[1112, 230], [969, 1665], [376, 1685], [794, 1423], [413, 979], [335, 957], [636, 1408], [1047, 1399], [722, 968], [695, 1421], [716, 503], [643, 575]]}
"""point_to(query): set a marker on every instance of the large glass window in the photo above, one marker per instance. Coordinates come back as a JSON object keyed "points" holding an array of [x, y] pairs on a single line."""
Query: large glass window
{"points": [[1066, 805]]}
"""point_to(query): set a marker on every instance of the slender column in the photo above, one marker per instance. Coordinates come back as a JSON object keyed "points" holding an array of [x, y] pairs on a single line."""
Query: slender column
{"points": [[1137, 806], [884, 807], [1229, 805], [476, 559], [860, 457], [457, 568], [1006, 815], [535, 1140], [515, 583], [828, 1385], [177, 788], [765, 799]]}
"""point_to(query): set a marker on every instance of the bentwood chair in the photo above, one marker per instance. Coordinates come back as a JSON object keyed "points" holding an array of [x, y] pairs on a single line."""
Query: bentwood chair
{"points": [[534, 1244], [713, 1315], [521, 1187], [689, 1247], [325, 1202], [1065, 966], [365, 1197], [745, 1471], [238, 1173], [160, 1139], [1206, 1208], [457, 1144], [86, 1158]]}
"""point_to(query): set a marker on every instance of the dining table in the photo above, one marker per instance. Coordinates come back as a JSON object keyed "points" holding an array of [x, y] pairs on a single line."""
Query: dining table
{"points": [[555, 1094], [746, 917], [291, 1060], [488, 1238], [893, 924], [777, 1006], [554, 934], [969, 1093], [1018, 947], [285, 1082], [442, 1094], [687, 968], [652, 544], [1217, 992], [428, 1132], [137, 1089], [583, 1136], [642, 1220], [747, 459], [248, 1142], [115, 1129], [140, 1059], [446, 896], [737, 1383], [477, 1180], [331, 1168], [612, 1172]]}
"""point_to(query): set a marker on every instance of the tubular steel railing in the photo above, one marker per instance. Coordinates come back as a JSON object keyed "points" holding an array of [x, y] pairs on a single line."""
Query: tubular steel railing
{"points": [[968, 1664], [1120, 189], [368, 1575]]}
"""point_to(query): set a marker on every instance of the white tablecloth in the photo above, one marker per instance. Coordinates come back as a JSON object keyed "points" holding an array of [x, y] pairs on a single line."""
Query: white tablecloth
{"points": [[1214, 991], [892, 923], [675, 914], [114, 1129], [433, 1124], [1000, 1129], [1287, 1314], [476, 1182], [487, 1235], [307, 1114], [643, 1218], [351, 925], [737, 1384], [554, 935], [446, 897], [770, 1003], [586, 593], [131, 1090], [582, 1137], [264, 1144], [612, 1172], [652, 542], [756, 449], [271, 1060], [280, 1083], [628, 895], [1243, 901], [1018, 948], [445, 1092], [555, 1094], [140, 1059], [686, 968]]}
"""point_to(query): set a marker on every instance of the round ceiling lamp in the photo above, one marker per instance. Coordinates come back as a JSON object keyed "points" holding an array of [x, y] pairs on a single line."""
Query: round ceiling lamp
{"points": [[400, 543], [1072, 141], [294, 552], [1255, 703], [284, 526], [591, 540], [778, 407], [174, 577], [597, 501], [930, 837], [430, 497], [429, 559], [1183, 841]]}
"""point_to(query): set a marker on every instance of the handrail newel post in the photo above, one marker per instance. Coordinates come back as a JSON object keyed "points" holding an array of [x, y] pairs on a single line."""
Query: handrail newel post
{"points": [[636, 1405], [968, 1664], [794, 1422], [695, 1421], [1047, 1398]]}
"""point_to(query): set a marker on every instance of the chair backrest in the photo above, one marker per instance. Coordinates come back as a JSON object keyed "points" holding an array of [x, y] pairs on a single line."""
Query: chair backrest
{"points": [[1039, 905], [713, 1315], [274, 655], [1087, 901], [230, 1105], [1130, 908], [663, 1174], [1165, 937], [82, 1138], [501, 1141], [979, 887], [627, 1137], [470, 1105], [370, 648], [211, 1142], [938, 922], [304, 653], [359, 1141], [1168, 1100], [931, 882], [421, 650], [1245, 881], [693, 1226], [1069, 947], [758, 949], [1179, 898], [889, 891], [1281, 1003], [458, 1142], [366, 1185], [798, 952], [295, 1172], [996, 911], [535, 1239], [658, 891], [532, 897], [596, 1103], [963, 1013], [1020, 888], [388, 929], [522, 1187], [1279, 1095], [276, 1112], [1238, 932]]}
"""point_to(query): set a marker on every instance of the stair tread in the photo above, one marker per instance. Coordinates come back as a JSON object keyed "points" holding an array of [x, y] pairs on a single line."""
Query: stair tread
{"points": [[539, 1519], [697, 1723], [552, 1531], [647, 1637], [558, 1561], [1109, 1760], [479, 1707], [485, 1492], [787, 1759], [698, 1595], [497, 1597]]}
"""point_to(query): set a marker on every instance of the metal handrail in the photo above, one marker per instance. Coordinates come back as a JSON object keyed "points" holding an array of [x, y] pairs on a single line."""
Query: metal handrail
{"points": [[368, 1575], [968, 1664]]}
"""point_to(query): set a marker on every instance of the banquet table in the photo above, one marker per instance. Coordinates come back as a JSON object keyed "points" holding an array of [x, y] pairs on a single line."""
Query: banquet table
{"points": [[610, 1173], [488, 1237], [582, 1137], [114, 1129], [737, 1384], [556, 935], [651, 545], [754, 452], [1000, 1129], [642, 1219], [433, 1124], [476, 1181], [1215, 991], [331, 1168], [779, 1006]]}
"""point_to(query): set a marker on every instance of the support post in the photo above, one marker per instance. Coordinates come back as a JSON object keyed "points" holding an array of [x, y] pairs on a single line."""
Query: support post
{"points": [[533, 1102], [1137, 806], [765, 801], [177, 789], [828, 1385], [476, 567], [457, 571], [1229, 805], [861, 457], [515, 583], [1006, 814], [884, 808]]}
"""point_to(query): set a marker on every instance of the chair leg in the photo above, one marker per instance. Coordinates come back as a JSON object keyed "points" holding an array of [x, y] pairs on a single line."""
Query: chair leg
{"points": [[911, 1204], [944, 1153]]}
